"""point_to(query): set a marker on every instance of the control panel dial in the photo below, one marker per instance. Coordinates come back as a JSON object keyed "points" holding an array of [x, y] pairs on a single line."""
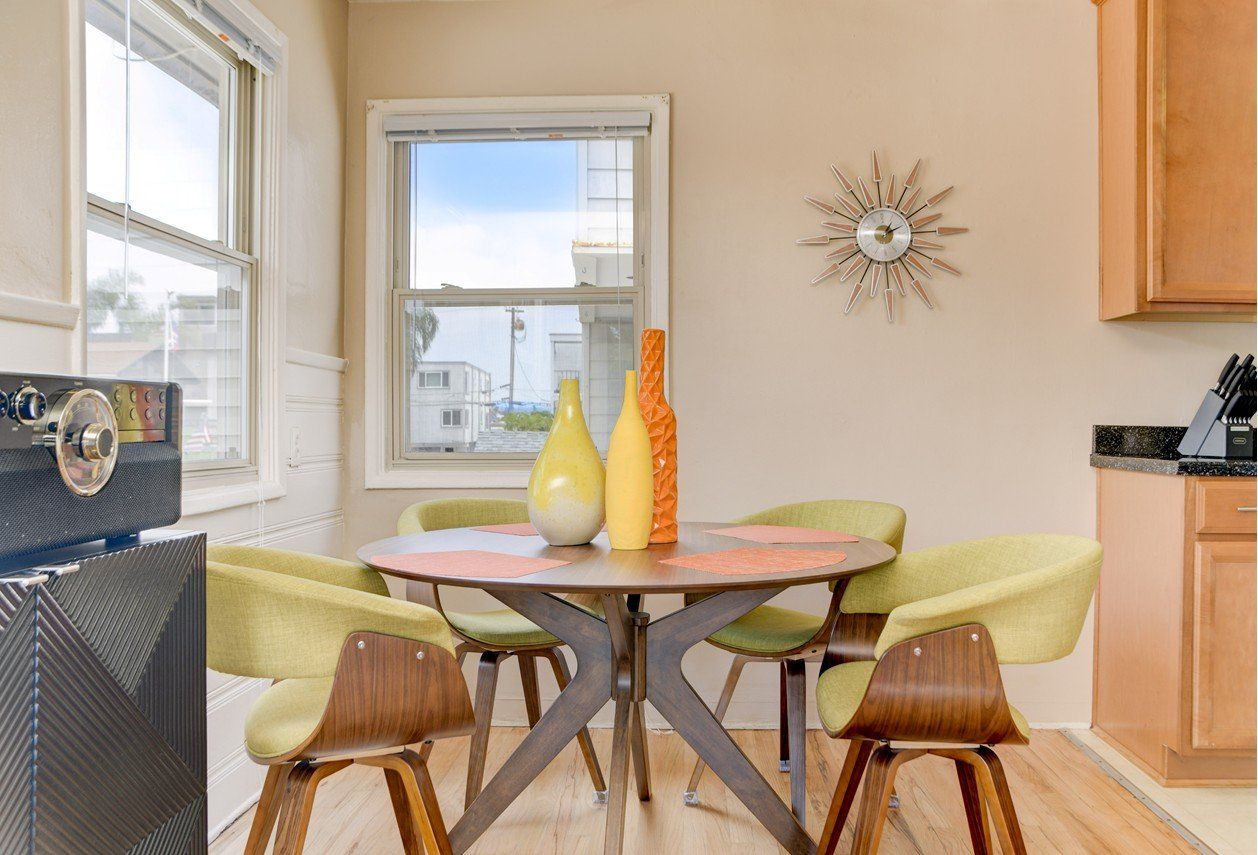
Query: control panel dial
{"points": [[82, 433]]}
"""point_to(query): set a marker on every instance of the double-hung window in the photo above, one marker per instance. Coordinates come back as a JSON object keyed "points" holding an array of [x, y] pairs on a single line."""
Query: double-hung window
{"points": [[170, 140], [519, 258]]}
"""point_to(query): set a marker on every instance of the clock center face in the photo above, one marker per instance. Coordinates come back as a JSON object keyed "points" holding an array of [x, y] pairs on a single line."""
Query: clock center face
{"points": [[883, 234]]}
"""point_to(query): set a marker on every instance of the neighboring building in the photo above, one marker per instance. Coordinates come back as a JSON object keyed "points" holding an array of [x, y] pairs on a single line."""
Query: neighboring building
{"points": [[565, 362], [450, 406]]}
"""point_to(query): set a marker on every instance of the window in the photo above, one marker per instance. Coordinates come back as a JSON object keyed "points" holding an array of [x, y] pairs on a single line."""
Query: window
{"points": [[171, 264], [518, 260]]}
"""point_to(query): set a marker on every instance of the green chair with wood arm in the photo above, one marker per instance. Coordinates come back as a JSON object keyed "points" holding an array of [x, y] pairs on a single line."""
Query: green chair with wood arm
{"points": [[955, 614], [791, 638], [495, 634], [358, 676]]}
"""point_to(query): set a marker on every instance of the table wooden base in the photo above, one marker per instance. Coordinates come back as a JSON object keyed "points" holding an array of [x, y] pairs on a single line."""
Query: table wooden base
{"points": [[628, 658]]}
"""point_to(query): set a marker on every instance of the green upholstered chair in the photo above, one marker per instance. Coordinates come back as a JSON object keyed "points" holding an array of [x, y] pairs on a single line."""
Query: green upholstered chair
{"points": [[955, 614], [791, 638], [494, 634], [325, 631]]}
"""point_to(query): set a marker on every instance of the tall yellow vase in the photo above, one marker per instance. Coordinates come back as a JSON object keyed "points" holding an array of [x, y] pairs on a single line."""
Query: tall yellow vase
{"points": [[630, 475], [565, 494]]}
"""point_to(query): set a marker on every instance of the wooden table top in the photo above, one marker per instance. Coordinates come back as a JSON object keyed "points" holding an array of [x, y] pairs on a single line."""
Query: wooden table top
{"points": [[597, 568]]}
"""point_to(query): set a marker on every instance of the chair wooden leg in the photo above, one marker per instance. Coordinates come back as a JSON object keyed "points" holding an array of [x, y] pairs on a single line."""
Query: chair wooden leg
{"points": [[995, 788], [559, 665], [299, 795], [691, 795], [268, 809], [486, 686], [879, 779], [532, 695], [425, 750], [784, 723], [425, 812], [975, 809], [797, 726], [854, 762], [412, 841]]}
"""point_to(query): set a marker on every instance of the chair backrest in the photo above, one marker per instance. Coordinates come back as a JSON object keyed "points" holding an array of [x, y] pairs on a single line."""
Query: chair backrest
{"points": [[1030, 591], [876, 520], [460, 513]]}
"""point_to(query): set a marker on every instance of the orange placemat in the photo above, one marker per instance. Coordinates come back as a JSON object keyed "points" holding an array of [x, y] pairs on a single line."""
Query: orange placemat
{"points": [[753, 561], [520, 529], [469, 563], [784, 534]]}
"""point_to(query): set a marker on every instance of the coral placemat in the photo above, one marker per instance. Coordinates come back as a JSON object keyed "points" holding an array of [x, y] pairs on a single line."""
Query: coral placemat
{"points": [[752, 560], [471, 563], [784, 534], [520, 529]]}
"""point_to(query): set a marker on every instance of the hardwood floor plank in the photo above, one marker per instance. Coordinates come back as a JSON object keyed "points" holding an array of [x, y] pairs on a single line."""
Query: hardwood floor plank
{"points": [[1066, 804]]}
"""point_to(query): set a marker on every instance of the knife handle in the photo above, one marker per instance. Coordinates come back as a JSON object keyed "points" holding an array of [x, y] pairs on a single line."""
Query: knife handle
{"points": [[1227, 371]]}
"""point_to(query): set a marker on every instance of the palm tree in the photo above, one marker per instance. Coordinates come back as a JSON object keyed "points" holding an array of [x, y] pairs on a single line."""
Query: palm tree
{"points": [[424, 324]]}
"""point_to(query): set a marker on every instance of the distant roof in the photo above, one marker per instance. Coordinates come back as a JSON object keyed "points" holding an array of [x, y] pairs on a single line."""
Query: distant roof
{"points": [[499, 440]]}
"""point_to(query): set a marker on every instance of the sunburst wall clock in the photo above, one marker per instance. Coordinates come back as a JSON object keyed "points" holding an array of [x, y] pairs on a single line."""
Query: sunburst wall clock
{"points": [[883, 238]]}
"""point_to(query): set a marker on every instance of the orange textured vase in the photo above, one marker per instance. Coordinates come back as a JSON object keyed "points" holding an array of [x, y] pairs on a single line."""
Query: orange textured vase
{"points": [[661, 427]]}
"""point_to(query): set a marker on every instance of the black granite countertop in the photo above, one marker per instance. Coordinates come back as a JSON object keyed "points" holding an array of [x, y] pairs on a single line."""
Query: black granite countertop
{"points": [[1141, 448]]}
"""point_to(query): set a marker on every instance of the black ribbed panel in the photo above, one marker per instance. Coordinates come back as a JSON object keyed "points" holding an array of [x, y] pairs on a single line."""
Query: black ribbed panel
{"points": [[120, 602], [17, 685], [180, 834], [176, 707], [38, 512], [106, 779]]}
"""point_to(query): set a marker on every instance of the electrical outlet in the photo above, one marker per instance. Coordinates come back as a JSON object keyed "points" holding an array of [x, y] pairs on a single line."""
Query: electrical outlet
{"points": [[294, 446]]}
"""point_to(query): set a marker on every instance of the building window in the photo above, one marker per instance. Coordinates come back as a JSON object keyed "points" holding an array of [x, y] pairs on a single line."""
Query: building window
{"points": [[170, 263], [519, 261], [452, 418]]}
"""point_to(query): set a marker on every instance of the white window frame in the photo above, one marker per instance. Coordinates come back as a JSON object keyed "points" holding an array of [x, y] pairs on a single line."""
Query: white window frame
{"points": [[381, 471], [263, 478]]}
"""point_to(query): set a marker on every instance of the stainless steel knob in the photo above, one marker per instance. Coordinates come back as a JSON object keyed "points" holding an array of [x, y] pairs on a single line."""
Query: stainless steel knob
{"points": [[97, 442], [29, 405]]}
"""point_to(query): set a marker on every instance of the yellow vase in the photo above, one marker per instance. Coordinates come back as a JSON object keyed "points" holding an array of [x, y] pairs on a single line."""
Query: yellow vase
{"points": [[565, 494], [630, 475]]}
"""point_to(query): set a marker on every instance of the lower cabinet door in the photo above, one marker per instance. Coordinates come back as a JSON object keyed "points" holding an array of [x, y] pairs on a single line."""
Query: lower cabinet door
{"points": [[1223, 679]]}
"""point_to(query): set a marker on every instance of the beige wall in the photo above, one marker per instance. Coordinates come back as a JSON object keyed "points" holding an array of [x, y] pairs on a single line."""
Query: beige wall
{"points": [[976, 417]]}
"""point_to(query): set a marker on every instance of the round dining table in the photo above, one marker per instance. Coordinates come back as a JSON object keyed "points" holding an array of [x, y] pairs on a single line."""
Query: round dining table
{"points": [[626, 656]]}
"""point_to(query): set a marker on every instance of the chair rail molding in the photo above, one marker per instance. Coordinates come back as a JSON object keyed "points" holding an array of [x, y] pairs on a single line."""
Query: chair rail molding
{"points": [[312, 359], [38, 310]]}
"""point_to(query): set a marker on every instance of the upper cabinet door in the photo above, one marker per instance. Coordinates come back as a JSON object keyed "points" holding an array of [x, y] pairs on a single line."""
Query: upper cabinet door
{"points": [[1202, 152], [1177, 158]]}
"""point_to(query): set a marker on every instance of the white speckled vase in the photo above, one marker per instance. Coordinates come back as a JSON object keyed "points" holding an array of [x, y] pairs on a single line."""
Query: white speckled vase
{"points": [[565, 495]]}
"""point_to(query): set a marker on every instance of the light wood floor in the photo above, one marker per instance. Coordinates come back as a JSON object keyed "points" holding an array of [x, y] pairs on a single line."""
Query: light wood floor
{"points": [[1066, 804]]}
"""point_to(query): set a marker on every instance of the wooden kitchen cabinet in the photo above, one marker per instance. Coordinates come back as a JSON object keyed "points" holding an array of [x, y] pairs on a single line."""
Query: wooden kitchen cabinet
{"points": [[1174, 676], [1177, 159]]}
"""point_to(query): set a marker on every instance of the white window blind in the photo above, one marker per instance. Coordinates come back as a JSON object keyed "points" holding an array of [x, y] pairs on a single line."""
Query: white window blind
{"points": [[448, 127]]}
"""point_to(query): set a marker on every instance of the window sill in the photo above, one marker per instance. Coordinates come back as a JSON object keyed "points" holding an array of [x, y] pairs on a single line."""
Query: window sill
{"points": [[204, 500], [453, 476]]}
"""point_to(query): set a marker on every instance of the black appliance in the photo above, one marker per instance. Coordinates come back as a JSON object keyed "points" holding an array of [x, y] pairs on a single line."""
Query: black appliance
{"points": [[1221, 427], [102, 623]]}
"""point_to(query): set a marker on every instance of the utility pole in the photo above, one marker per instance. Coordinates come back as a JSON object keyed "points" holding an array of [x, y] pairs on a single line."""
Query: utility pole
{"points": [[513, 311]]}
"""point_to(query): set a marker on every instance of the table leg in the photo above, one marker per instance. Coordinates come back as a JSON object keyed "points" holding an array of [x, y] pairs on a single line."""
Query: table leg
{"points": [[588, 637], [668, 639], [627, 631]]}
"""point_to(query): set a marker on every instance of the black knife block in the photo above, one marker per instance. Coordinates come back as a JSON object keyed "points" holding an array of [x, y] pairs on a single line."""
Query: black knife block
{"points": [[1210, 436]]}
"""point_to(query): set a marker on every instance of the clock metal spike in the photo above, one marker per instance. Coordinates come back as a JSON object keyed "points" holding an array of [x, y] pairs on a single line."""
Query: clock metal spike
{"points": [[890, 189], [907, 204], [943, 265], [877, 168], [851, 209], [951, 230], [922, 267], [899, 279], [921, 292], [873, 283], [865, 272], [934, 200], [842, 179], [829, 271], [923, 221], [851, 268], [869, 199], [911, 181], [922, 243], [852, 298], [819, 204], [845, 228], [888, 297], [813, 241], [841, 250]]}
